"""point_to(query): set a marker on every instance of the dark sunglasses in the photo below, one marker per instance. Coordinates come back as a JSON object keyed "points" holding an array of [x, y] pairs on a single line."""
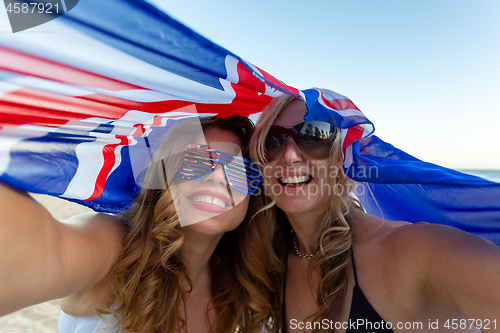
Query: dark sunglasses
{"points": [[314, 138], [199, 161]]}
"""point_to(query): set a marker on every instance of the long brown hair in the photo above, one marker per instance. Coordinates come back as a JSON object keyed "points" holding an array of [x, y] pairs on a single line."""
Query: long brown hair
{"points": [[149, 280], [334, 238]]}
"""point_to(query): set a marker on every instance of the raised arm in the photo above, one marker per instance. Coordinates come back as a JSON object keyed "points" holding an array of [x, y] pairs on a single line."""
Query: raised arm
{"points": [[42, 258], [462, 270]]}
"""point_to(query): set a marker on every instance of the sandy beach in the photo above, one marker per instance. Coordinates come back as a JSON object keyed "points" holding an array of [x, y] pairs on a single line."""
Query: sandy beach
{"points": [[41, 318]]}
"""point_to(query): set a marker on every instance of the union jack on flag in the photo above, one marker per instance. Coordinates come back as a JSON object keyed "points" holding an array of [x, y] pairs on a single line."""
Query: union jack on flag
{"points": [[82, 102]]}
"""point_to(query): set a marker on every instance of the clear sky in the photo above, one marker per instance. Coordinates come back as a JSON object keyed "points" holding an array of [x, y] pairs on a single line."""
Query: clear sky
{"points": [[427, 73]]}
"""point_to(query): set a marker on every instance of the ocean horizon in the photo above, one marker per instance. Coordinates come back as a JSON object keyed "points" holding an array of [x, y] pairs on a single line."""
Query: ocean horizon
{"points": [[493, 175]]}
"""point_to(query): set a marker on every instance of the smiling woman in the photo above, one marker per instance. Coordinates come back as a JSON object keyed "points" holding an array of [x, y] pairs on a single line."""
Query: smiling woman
{"points": [[353, 271], [174, 267], [191, 261]]}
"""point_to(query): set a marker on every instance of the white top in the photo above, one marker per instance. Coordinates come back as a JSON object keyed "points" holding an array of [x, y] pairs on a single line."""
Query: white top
{"points": [[88, 324]]}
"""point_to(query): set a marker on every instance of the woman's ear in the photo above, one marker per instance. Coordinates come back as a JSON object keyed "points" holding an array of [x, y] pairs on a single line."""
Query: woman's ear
{"points": [[340, 160]]}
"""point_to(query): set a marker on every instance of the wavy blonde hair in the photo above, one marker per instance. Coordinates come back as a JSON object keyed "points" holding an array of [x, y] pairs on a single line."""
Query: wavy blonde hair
{"points": [[334, 238], [148, 279]]}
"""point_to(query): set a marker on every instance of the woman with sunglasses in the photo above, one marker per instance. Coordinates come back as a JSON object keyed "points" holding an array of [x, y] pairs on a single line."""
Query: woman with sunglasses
{"points": [[190, 260], [344, 270]]}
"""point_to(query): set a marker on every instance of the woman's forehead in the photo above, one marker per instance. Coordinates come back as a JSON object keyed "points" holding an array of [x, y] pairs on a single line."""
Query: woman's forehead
{"points": [[222, 140], [292, 114]]}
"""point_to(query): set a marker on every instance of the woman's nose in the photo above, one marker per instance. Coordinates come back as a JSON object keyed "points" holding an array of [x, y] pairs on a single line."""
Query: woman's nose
{"points": [[291, 152], [217, 175]]}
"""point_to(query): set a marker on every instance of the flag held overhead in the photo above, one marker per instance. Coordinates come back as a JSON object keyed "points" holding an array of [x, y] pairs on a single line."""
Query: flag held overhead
{"points": [[79, 106]]}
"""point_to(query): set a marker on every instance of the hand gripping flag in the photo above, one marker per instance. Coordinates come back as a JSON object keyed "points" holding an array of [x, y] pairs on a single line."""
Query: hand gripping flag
{"points": [[82, 103]]}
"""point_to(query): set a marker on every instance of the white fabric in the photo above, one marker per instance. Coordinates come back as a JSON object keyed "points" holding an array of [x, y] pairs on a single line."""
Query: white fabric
{"points": [[88, 324]]}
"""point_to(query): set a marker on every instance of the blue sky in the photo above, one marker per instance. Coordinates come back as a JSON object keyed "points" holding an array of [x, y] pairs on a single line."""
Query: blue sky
{"points": [[427, 73]]}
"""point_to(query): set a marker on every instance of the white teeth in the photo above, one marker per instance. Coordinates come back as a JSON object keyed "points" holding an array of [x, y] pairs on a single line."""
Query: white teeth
{"points": [[207, 199], [294, 179]]}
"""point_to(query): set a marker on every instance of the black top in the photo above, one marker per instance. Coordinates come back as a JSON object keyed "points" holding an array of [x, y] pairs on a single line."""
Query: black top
{"points": [[360, 309]]}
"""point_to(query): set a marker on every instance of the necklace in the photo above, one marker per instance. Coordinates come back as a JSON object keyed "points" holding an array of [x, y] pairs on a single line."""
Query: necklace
{"points": [[300, 254]]}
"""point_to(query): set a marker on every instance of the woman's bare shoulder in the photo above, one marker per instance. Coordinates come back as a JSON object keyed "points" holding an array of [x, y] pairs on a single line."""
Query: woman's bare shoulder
{"points": [[401, 235], [382, 245], [385, 267], [444, 262], [399, 249], [427, 238], [370, 229], [405, 265]]}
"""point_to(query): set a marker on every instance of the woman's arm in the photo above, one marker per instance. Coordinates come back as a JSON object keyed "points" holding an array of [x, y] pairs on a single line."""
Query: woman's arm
{"points": [[463, 270], [42, 258]]}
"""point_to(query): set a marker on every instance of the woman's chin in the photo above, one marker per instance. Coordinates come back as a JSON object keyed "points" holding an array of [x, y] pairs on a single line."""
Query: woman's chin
{"points": [[212, 221], [210, 227], [303, 204], [209, 223], [294, 205]]}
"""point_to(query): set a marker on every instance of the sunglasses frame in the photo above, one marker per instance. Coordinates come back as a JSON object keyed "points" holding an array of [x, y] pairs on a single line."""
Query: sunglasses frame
{"points": [[202, 158], [295, 133]]}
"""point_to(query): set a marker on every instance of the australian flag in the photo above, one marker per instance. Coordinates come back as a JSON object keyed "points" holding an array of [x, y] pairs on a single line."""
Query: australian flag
{"points": [[82, 103]]}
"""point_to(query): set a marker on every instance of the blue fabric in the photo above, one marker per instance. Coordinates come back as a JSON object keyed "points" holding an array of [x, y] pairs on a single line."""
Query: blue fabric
{"points": [[140, 29], [397, 186], [320, 112]]}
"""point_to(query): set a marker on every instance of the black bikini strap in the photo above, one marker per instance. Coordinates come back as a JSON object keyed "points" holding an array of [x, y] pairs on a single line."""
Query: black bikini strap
{"points": [[354, 266]]}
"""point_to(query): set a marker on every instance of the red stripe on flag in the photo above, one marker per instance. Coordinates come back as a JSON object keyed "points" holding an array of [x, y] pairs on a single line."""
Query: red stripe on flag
{"points": [[339, 104], [245, 103], [32, 106], [139, 130], [108, 153], [278, 83], [353, 134], [249, 80], [30, 65]]}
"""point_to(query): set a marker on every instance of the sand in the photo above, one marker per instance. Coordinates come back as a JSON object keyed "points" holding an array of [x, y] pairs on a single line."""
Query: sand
{"points": [[41, 318]]}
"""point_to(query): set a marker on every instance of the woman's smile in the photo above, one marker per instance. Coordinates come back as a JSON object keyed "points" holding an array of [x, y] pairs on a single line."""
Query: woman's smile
{"points": [[209, 201]]}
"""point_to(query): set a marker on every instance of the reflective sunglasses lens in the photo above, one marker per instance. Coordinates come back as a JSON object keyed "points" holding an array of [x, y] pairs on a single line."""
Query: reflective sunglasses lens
{"points": [[275, 139], [318, 150], [272, 153], [317, 131], [314, 139]]}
